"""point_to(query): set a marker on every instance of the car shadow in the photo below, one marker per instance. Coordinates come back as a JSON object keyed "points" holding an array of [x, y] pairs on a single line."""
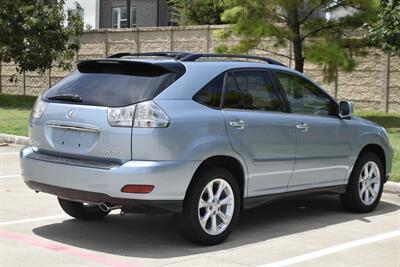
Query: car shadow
{"points": [[158, 237]]}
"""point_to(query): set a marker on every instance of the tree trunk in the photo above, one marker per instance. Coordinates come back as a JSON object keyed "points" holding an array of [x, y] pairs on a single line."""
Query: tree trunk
{"points": [[298, 54], [294, 25], [1, 85]]}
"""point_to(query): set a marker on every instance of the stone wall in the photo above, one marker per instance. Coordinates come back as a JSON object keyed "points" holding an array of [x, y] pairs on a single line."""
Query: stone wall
{"points": [[374, 85]]}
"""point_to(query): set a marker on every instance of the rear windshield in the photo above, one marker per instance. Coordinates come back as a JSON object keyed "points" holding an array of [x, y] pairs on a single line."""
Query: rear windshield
{"points": [[112, 87]]}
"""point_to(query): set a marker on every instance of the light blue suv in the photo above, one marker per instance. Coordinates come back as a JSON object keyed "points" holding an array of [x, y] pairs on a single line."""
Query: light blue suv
{"points": [[200, 135]]}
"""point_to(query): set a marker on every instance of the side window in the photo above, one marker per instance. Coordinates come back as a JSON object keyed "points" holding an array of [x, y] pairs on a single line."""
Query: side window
{"points": [[304, 97], [211, 94], [232, 96], [258, 91]]}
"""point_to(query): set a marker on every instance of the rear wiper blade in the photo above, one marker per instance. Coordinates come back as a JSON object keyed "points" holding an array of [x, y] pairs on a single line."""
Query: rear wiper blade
{"points": [[66, 97]]}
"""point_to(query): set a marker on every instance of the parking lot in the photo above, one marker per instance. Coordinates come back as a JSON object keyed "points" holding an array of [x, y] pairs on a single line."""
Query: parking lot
{"points": [[312, 231]]}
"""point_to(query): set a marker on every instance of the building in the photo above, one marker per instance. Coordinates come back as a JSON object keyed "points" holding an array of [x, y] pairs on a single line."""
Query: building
{"points": [[90, 11], [144, 13], [306, 7], [340, 12], [149, 13], [113, 13]]}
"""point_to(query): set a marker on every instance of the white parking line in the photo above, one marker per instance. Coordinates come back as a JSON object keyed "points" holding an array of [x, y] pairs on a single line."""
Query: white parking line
{"points": [[10, 176], [331, 250], [54, 217]]}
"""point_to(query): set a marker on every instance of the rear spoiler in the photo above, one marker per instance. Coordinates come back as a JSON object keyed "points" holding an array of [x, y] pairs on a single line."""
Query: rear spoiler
{"points": [[131, 67]]}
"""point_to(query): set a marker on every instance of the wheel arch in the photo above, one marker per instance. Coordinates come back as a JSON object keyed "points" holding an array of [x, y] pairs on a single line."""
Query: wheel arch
{"points": [[232, 164], [377, 150]]}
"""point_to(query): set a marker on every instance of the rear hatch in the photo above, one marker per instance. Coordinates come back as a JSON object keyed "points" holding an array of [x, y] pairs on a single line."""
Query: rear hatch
{"points": [[75, 123]]}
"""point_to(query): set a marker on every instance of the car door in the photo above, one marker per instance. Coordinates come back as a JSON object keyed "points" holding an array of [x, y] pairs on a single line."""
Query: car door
{"points": [[259, 129], [322, 153]]}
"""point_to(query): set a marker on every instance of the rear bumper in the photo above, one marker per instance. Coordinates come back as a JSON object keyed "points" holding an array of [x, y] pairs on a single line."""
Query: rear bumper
{"points": [[85, 196], [97, 184]]}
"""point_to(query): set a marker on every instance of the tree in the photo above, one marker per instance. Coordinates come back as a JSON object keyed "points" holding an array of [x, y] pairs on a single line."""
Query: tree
{"points": [[316, 39], [385, 32], [33, 34], [198, 12]]}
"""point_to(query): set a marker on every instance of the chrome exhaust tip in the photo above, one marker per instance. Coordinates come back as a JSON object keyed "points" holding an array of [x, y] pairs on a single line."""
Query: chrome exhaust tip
{"points": [[104, 207]]}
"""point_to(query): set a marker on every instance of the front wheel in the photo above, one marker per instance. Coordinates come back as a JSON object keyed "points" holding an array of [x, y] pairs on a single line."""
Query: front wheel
{"points": [[211, 207], [365, 186], [82, 211]]}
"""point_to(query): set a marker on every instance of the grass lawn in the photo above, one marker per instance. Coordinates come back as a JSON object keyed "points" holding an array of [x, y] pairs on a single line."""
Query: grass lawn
{"points": [[15, 111], [14, 121]]}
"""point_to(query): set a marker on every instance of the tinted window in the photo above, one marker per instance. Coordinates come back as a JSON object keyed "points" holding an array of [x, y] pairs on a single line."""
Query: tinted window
{"points": [[256, 90], [210, 95], [304, 97], [232, 97], [113, 86]]}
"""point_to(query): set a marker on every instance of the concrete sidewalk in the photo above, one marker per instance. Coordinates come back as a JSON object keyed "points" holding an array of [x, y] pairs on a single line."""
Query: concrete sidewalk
{"points": [[13, 139]]}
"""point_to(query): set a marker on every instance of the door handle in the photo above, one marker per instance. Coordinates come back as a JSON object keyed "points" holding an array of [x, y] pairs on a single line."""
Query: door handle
{"points": [[238, 124], [304, 127]]}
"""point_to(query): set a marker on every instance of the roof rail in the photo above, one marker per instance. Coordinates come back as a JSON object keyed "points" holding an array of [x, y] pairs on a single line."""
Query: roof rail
{"points": [[186, 56], [175, 55], [194, 57]]}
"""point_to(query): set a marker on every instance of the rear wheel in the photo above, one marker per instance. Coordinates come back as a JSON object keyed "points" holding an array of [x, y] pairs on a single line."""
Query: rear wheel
{"points": [[82, 211], [211, 207], [365, 186]]}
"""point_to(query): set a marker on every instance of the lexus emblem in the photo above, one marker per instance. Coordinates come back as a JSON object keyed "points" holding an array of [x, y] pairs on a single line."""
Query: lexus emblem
{"points": [[71, 114]]}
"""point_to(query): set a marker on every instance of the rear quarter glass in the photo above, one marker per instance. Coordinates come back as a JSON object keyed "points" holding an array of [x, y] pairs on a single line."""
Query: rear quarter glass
{"points": [[113, 84]]}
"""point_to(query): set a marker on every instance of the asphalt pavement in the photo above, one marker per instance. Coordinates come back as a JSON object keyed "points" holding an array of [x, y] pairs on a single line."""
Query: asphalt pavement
{"points": [[310, 231]]}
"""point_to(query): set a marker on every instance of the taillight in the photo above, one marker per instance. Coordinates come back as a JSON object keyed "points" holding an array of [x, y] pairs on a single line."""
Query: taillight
{"points": [[38, 108], [142, 115], [121, 117], [149, 115]]}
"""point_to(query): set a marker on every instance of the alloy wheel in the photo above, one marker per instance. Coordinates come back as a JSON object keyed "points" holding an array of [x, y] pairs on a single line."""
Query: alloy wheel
{"points": [[369, 183], [216, 206]]}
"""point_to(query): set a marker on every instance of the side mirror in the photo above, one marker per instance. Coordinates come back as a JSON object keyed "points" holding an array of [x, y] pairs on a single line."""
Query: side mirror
{"points": [[345, 109]]}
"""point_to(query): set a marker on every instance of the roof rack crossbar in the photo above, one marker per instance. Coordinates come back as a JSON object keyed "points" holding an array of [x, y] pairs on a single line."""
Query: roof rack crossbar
{"points": [[194, 57], [175, 55]]}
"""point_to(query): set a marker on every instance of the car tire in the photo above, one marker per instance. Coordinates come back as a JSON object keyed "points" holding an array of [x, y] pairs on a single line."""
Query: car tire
{"points": [[222, 210], [81, 211], [365, 185]]}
